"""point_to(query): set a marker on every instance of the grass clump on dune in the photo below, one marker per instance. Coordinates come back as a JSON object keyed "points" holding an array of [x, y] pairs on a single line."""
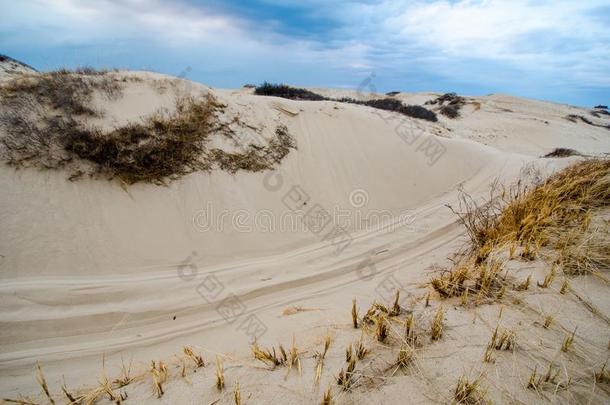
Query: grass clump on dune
{"points": [[414, 111], [391, 104], [386, 104], [562, 152], [160, 147], [256, 158], [62, 90], [553, 219], [450, 104], [45, 116], [285, 91]]}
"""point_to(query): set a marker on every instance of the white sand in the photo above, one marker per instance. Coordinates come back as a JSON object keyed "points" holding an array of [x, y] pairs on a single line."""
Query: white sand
{"points": [[90, 269]]}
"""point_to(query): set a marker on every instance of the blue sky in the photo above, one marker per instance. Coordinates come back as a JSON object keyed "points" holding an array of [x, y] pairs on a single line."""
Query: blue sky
{"points": [[555, 50]]}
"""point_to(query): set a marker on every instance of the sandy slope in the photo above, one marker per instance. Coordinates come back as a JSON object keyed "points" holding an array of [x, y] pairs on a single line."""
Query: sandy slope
{"points": [[89, 268], [10, 68]]}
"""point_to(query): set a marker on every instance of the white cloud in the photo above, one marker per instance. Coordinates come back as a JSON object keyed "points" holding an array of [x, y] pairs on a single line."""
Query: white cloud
{"points": [[498, 28], [178, 25], [561, 40]]}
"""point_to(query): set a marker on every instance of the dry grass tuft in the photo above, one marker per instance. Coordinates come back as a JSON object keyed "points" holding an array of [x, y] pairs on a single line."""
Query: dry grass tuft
{"points": [[345, 378], [220, 374], [361, 350], [548, 321], [196, 358], [405, 356], [125, 377], [469, 392], [295, 360], [320, 359], [381, 330], [536, 382], [565, 287], [506, 341], [483, 279], [374, 312], [159, 376], [568, 341], [451, 283], [410, 337], [525, 285], [349, 353], [437, 324], [106, 388], [553, 213], [533, 382], [548, 279], [270, 356]]}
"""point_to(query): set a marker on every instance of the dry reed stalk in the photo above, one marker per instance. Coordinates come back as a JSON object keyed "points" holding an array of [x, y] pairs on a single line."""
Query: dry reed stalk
{"points": [[395, 311], [43, 383], [237, 394], [354, 314], [437, 324], [220, 375]]}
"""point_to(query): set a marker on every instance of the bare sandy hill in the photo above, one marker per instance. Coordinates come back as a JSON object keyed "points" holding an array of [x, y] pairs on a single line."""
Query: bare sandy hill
{"points": [[94, 269]]}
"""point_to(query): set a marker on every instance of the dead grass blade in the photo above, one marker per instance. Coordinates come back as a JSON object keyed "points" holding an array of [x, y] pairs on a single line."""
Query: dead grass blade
{"points": [[43, 383], [437, 324]]}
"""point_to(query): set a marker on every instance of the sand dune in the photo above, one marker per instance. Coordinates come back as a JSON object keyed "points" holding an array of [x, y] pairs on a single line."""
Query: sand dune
{"points": [[91, 268]]}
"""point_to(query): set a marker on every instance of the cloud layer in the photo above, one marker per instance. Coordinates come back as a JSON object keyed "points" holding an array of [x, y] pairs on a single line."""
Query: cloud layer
{"points": [[554, 50]]}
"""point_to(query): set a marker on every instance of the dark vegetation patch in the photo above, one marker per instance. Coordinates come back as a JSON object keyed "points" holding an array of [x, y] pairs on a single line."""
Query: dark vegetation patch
{"points": [[450, 111], [562, 152], [386, 104], [575, 118], [160, 147], [44, 119], [601, 107], [390, 104], [450, 104], [599, 113], [284, 91]]}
